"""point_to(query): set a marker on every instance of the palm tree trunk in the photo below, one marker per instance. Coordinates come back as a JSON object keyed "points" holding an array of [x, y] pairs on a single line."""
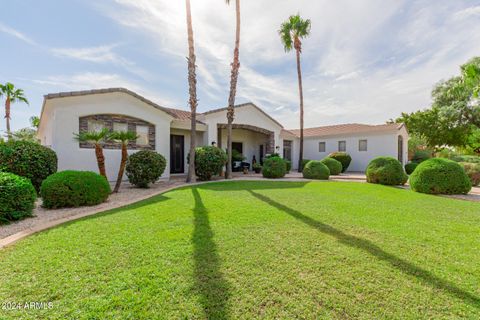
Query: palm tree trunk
{"points": [[121, 170], [300, 89], [100, 160], [192, 89], [7, 117], [233, 90]]}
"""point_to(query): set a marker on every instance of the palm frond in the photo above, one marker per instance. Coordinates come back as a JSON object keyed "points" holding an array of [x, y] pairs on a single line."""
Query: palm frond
{"points": [[122, 136], [294, 27], [92, 136]]}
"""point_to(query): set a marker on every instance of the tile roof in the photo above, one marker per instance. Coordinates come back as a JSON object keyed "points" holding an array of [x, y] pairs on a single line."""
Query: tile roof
{"points": [[349, 128]]}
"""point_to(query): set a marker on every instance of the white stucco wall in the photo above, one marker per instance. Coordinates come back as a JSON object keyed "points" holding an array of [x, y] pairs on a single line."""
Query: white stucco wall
{"points": [[380, 144], [66, 112], [247, 114]]}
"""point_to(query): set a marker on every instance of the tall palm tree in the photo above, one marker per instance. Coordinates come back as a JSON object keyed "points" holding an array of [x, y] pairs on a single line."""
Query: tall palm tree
{"points": [[233, 89], [97, 138], [123, 137], [12, 95], [192, 89], [291, 31]]}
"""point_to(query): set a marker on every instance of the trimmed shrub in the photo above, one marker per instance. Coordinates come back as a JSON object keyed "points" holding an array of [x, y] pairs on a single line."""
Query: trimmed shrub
{"points": [[144, 167], [471, 159], [74, 189], [274, 167], [304, 163], [440, 176], [28, 159], [421, 155], [17, 197], [333, 165], [343, 157], [209, 161], [289, 165], [473, 172], [387, 171], [315, 169], [410, 167]]}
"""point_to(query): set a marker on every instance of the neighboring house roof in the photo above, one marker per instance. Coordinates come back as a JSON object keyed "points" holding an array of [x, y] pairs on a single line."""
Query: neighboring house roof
{"points": [[349, 128], [245, 105]]}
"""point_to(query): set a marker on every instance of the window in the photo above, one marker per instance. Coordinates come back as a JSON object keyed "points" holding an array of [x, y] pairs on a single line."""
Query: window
{"points": [[142, 133], [342, 146], [119, 126], [237, 146], [362, 145], [95, 125], [321, 147]]}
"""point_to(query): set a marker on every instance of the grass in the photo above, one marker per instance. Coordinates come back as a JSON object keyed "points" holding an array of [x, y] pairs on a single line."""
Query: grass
{"points": [[256, 250]]}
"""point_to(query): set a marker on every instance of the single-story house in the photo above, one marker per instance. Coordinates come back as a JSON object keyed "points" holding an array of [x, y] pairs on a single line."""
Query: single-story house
{"points": [[167, 131]]}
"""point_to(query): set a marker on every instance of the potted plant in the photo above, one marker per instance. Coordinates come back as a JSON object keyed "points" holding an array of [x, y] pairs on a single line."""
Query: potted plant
{"points": [[257, 168]]}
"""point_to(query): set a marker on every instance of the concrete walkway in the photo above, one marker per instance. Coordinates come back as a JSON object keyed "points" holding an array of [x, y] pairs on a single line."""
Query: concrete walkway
{"points": [[44, 219]]}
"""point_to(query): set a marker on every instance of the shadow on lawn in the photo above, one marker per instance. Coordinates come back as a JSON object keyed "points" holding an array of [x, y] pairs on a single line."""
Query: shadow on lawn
{"points": [[367, 246], [209, 281]]}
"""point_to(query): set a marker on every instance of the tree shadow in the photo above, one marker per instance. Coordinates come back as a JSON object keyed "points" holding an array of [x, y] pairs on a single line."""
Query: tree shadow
{"points": [[369, 247], [209, 281], [240, 185]]}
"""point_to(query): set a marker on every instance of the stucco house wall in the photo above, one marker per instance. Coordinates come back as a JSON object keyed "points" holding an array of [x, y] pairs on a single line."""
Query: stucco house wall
{"points": [[64, 114]]}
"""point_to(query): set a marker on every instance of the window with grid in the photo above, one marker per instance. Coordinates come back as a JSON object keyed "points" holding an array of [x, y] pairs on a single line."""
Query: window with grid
{"points": [[342, 146]]}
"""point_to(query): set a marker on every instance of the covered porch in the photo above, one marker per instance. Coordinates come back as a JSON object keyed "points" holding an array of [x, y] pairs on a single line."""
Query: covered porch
{"points": [[250, 141]]}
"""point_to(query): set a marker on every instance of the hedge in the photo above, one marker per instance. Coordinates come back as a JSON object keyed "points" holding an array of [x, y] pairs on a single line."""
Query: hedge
{"points": [[209, 161], [144, 167], [17, 197], [304, 163], [28, 159], [440, 176], [387, 171], [410, 167], [316, 170], [74, 189], [473, 172], [333, 165], [274, 167], [343, 157]]}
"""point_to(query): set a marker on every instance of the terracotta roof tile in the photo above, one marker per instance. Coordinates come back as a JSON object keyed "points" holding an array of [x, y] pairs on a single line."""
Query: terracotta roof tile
{"points": [[349, 128]]}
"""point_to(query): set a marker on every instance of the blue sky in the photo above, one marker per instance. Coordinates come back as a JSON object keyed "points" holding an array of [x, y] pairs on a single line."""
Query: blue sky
{"points": [[366, 61]]}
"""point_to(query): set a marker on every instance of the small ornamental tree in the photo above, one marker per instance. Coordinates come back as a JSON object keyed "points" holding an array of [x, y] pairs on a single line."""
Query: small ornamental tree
{"points": [[144, 167], [97, 138], [209, 161], [123, 137], [274, 167]]}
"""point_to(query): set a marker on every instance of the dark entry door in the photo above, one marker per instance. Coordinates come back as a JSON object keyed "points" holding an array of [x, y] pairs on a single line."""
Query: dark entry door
{"points": [[177, 154], [261, 154]]}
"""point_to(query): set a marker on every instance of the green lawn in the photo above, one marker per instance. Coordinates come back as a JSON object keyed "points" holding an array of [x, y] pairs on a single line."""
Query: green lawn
{"points": [[256, 250]]}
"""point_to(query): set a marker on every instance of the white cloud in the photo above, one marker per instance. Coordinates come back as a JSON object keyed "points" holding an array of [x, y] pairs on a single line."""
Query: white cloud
{"points": [[16, 34], [365, 61]]}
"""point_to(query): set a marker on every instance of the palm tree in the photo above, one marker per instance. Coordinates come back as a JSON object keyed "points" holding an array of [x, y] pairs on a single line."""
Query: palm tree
{"points": [[192, 89], [97, 138], [12, 95], [291, 31], [233, 89], [123, 137]]}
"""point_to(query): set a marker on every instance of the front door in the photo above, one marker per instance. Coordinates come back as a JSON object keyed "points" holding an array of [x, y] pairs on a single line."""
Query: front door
{"points": [[261, 154], [177, 154]]}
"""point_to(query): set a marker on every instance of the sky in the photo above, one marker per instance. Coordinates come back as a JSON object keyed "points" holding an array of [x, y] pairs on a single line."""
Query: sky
{"points": [[364, 62]]}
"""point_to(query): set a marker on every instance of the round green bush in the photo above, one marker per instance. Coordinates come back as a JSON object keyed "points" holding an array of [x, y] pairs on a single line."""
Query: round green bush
{"points": [[209, 161], [410, 167], [17, 197], [343, 157], [274, 167], [315, 169], [74, 189], [144, 167], [440, 176], [333, 165], [473, 172], [387, 171], [304, 162], [28, 159]]}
